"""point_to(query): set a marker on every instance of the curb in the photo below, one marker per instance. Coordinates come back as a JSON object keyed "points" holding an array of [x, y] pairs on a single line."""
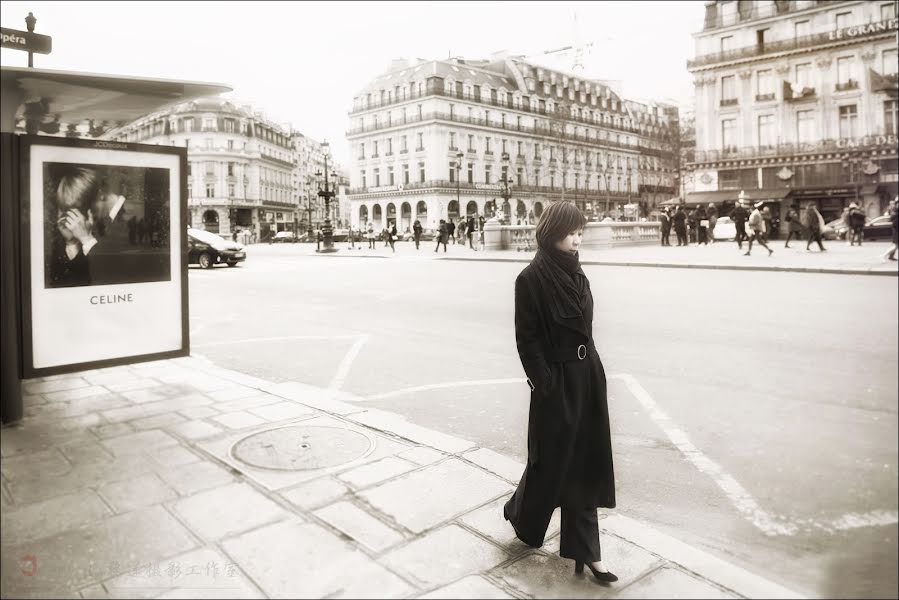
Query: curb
{"points": [[683, 266]]}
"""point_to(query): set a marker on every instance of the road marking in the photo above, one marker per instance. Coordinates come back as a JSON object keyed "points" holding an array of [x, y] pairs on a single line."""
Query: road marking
{"points": [[439, 386], [276, 339], [344, 368], [874, 518], [735, 492]]}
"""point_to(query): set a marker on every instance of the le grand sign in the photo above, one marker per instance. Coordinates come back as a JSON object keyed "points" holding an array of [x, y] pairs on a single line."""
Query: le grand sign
{"points": [[863, 30]]}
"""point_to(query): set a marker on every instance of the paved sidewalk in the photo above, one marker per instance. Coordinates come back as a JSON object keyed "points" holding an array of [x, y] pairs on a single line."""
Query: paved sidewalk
{"points": [[180, 479], [839, 257]]}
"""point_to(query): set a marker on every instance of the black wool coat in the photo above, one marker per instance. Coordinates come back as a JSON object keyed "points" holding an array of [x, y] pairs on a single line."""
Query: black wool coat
{"points": [[569, 439]]}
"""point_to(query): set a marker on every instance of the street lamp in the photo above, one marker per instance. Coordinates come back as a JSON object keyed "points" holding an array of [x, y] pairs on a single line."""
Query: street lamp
{"points": [[506, 189], [327, 194], [458, 173]]}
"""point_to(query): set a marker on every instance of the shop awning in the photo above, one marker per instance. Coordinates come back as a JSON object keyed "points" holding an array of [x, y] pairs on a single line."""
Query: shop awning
{"points": [[704, 198]]}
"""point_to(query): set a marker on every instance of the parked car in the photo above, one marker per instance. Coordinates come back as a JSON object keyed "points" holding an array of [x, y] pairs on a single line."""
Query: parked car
{"points": [[835, 230], [284, 237], [207, 249], [878, 229], [725, 229]]}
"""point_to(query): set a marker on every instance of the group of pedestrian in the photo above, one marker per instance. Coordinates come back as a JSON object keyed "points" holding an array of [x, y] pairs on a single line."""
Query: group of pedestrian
{"points": [[701, 223]]}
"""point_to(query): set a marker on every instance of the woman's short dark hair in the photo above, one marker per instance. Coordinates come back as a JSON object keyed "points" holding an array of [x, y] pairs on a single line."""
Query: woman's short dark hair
{"points": [[557, 221]]}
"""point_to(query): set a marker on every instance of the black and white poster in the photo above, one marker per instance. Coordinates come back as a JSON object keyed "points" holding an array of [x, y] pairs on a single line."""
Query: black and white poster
{"points": [[104, 226]]}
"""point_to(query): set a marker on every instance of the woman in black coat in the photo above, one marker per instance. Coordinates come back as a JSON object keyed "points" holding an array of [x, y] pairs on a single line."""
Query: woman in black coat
{"points": [[569, 440]]}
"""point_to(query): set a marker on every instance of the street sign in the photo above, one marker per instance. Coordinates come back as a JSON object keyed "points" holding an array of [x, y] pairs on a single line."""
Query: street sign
{"points": [[24, 40]]}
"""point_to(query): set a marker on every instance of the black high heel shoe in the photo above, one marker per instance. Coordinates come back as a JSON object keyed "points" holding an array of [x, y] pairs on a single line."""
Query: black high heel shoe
{"points": [[608, 576]]}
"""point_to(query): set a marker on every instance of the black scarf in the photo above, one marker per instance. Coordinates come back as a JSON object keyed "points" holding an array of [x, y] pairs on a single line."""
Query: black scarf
{"points": [[564, 286]]}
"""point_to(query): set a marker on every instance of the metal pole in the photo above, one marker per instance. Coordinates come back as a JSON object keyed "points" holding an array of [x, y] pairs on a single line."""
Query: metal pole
{"points": [[11, 402]]}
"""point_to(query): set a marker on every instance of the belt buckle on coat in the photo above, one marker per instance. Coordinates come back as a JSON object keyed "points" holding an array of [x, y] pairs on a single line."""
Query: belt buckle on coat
{"points": [[581, 352], [530, 384]]}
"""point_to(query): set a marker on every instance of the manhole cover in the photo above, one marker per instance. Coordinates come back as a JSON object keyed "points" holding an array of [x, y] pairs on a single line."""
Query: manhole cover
{"points": [[301, 448]]}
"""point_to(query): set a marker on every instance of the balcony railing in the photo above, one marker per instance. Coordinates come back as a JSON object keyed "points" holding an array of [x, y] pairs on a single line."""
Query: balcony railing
{"points": [[445, 184], [729, 102], [878, 139], [764, 97], [846, 85], [797, 43]]}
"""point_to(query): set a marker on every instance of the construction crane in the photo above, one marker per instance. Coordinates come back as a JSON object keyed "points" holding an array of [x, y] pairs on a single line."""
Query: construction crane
{"points": [[579, 47]]}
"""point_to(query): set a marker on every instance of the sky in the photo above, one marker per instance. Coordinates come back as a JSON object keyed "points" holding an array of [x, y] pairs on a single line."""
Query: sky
{"points": [[302, 62]]}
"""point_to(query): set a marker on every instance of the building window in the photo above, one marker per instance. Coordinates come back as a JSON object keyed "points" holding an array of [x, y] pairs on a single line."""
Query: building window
{"points": [[728, 89], [362, 176], [843, 19], [801, 29], [208, 124], [230, 169], [210, 190], [190, 169], [727, 43], [421, 141], [452, 140], [804, 75], [390, 180], [504, 147], [470, 143], [452, 172], [210, 168], [389, 146], [889, 116], [844, 70], [209, 143], [766, 131], [421, 172], [890, 58], [489, 150], [230, 144], [230, 190], [404, 146], [848, 121], [887, 11], [537, 151], [765, 85], [728, 135], [519, 179], [377, 177], [405, 173], [519, 149], [375, 149], [487, 173], [470, 173], [362, 150]]}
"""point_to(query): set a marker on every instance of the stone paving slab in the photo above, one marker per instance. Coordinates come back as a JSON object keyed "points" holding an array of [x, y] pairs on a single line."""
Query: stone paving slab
{"points": [[423, 499], [489, 522], [136, 492], [473, 586], [376, 471], [43, 519], [315, 493], [359, 525], [460, 553], [668, 582], [303, 560], [227, 510], [397, 425], [203, 573], [77, 558]]}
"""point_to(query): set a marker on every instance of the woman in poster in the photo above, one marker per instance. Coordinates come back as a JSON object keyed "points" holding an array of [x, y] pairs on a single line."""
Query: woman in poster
{"points": [[569, 439]]}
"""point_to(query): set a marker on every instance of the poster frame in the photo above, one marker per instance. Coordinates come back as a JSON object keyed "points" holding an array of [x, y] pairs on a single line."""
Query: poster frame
{"points": [[26, 144]]}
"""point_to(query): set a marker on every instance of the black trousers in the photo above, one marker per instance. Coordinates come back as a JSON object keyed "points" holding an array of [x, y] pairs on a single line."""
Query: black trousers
{"points": [[681, 236], [814, 236], [666, 233], [741, 235], [790, 237], [580, 535]]}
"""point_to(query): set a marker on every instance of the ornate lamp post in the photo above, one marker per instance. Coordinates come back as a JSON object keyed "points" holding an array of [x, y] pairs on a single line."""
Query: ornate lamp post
{"points": [[327, 194], [458, 173], [506, 189]]}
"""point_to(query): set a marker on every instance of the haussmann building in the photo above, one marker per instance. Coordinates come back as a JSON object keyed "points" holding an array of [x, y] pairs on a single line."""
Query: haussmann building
{"points": [[796, 102]]}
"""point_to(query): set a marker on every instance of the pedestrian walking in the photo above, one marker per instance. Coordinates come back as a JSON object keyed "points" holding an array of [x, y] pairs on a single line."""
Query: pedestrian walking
{"points": [[441, 236], [569, 440], [856, 224], [844, 216], [893, 212], [391, 236], [371, 236], [768, 218], [416, 232], [666, 227], [739, 215], [702, 221], [815, 224], [469, 230], [757, 226], [693, 224], [680, 226], [451, 230], [385, 235], [794, 223], [713, 220]]}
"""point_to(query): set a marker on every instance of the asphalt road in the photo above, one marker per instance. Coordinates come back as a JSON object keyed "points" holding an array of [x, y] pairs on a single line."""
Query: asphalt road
{"points": [[754, 414]]}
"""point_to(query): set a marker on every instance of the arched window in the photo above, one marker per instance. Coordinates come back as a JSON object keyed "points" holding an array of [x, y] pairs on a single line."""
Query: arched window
{"points": [[211, 221]]}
